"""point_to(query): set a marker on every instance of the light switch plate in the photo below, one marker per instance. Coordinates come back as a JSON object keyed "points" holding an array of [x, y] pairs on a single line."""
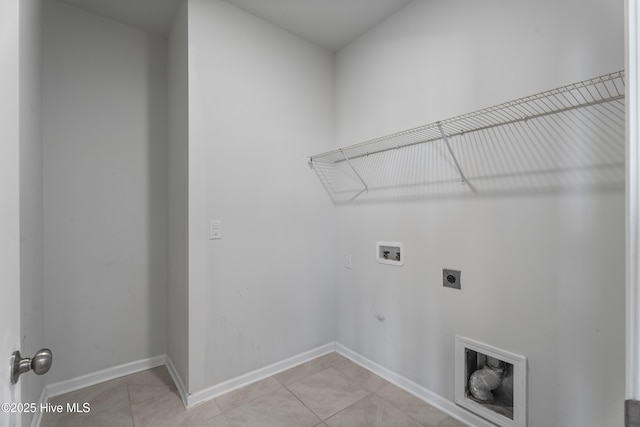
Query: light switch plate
{"points": [[347, 261]]}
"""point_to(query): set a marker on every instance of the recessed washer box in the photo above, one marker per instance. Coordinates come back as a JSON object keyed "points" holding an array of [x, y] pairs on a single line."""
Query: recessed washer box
{"points": [[391, 253]]}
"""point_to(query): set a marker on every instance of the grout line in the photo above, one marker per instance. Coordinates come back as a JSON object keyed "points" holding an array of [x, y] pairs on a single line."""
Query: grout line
{"points": [[215, 399], [133, 421], [305, 405], [330, 366]]}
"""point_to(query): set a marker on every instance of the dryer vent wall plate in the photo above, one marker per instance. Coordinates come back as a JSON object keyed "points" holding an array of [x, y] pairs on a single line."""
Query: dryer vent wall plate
{"points": [[391, 253], [451, 278]]}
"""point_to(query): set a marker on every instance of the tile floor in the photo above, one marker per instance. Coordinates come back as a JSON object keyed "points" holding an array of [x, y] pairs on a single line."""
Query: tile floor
{"points": [[330, 391]]}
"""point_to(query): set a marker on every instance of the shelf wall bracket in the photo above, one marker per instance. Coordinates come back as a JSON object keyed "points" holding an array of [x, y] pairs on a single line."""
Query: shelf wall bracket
{"points": [[455, 160], [364, 184]]}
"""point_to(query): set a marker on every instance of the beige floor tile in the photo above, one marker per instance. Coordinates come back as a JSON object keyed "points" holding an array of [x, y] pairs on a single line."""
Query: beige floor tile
{"points": [[330, 388], [412, 406], [349, 368], [100, 419], [49, 420], [277, 409], [299, 372], [372, 411], [327, 392], [246, 394], [217, 421], [166, 410], [149, 384], [360, 375], [451, 422], [203, 412], [330, 359], [103, 396], [108, 406], [309, 368]]}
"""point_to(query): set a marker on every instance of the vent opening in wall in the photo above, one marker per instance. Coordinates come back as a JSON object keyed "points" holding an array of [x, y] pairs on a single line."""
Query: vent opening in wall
{"points": [[491, 382], [391, 253], [451, 278]]}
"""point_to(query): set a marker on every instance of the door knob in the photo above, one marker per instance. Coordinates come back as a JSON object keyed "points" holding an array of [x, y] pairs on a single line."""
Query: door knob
{"points": [[40, 364]]}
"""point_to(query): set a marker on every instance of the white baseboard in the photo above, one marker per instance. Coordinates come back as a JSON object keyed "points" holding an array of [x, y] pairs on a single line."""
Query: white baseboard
{"points": [[87, 380], [257, 375], [177, 380], [417, 390], [37, 416]]}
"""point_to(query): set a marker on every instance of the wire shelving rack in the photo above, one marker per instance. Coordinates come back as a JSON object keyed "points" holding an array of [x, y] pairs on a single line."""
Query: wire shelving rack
{"points": [[564, 139]]}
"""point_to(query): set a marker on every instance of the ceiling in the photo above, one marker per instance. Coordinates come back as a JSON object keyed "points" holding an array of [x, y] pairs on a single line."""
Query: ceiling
{"points": [[150, 15], [331, 24]]}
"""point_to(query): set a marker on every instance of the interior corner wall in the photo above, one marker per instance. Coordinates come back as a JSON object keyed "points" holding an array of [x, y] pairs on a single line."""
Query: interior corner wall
{"points": [[105, 192], [31, 208], [260, 102], [178, 190], [542, 275]]}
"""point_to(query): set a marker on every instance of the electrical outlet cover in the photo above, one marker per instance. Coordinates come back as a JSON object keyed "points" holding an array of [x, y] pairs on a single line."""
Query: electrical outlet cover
{"points": [[347, 261]]}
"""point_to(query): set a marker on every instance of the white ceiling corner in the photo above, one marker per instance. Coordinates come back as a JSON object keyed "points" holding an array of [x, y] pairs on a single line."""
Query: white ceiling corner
{"points": [[331, 24], [155, 16]]}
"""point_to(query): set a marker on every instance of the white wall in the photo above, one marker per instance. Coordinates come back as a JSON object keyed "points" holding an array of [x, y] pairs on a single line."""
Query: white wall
{"points": [[543, 275], [105, 198], [178, 187], [260, 101], [31, 203]]}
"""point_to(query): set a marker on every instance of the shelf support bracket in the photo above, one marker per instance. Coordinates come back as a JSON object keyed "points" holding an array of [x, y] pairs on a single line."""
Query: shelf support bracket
{"points": [[364, 184], [455, 160]]}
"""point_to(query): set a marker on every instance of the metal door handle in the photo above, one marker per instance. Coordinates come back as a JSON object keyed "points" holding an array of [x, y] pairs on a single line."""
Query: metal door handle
{"points": [[40, 364]]}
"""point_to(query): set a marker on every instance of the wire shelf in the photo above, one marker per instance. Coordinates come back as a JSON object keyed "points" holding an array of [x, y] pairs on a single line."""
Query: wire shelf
{"points": [[563, 139]]}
